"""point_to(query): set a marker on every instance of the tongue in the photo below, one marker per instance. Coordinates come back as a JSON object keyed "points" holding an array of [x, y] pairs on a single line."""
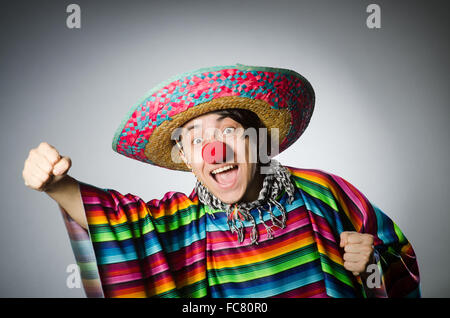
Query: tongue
{"points": [[226, 177]]}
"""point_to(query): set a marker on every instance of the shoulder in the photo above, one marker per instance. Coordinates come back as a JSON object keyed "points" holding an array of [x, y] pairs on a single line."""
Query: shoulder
{"points": [[173, 202], [314, 176], [327, 186], [174, 197], [322, 184]]}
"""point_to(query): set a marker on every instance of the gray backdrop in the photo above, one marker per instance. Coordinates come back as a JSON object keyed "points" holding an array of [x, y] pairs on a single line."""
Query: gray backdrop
{"points": [[380, 120]]}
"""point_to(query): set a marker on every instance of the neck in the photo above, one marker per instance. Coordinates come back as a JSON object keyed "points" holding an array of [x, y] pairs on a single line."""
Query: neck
{"points": [[254, 188]]}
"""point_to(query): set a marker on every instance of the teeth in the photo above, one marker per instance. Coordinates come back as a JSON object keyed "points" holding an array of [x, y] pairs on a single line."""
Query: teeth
{"points": [[222, 169]]}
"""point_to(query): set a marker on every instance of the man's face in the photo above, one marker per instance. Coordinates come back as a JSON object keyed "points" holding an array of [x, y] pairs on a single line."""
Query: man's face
{"points": [[229, 180]]}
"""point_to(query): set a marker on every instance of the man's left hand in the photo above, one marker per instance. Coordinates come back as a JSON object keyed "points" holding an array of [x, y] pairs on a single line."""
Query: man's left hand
{"points": [[358, 251]]}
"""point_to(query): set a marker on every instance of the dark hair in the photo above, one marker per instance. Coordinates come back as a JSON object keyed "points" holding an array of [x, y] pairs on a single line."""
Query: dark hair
{"points": [[245, 117]]}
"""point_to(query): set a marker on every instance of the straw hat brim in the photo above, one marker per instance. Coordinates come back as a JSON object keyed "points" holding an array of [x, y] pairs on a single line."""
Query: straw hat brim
{"points": [[281, 98]]}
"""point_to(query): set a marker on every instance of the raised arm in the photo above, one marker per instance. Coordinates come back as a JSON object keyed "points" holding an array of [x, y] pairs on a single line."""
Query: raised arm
{"points": [[45, 170]]}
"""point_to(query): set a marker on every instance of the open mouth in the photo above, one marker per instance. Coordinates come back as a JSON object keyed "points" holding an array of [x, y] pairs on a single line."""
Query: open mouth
{"points": [[226, 175]]}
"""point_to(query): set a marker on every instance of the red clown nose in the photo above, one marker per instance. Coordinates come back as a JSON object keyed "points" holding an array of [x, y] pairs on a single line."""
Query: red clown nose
{"points": [[216, 152]]}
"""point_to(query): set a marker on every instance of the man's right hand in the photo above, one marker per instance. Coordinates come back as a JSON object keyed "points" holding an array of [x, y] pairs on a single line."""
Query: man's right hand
{"points": [[44, 167]]}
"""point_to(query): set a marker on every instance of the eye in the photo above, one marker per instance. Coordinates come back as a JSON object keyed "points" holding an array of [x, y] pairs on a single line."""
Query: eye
{"points": [[228, 130], [197, 141]]}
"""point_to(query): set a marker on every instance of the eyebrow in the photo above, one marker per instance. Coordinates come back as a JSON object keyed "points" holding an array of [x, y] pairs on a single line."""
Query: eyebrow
{"points": [[188, 129], [191, 127], [221, 118]]}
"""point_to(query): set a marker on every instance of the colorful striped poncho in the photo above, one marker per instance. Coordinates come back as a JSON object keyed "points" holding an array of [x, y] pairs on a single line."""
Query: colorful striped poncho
{"points": [[177, 247]]}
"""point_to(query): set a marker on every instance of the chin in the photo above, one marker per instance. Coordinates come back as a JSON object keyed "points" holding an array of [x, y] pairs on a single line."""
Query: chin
{"points": [[227, 196]]}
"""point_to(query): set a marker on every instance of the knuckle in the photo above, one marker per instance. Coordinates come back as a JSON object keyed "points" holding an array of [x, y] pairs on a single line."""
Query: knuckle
{"points": [[349, 266], [30, 184], [56, 154], [25, 164], [43, 144], [26, 179], [52, 158], [49, 161], [39, 181], [45, 178], [46, 165], [47, 169]]}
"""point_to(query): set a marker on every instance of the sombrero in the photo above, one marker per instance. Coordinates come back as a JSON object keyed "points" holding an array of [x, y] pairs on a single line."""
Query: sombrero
{"points": [[281, 98]]}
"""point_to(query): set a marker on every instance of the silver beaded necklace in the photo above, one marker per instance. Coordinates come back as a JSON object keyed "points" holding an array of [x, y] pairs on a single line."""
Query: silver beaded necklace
{"points": [[277, 180]]}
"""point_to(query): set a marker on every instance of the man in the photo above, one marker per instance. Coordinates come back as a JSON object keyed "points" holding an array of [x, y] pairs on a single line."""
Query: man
{"points": [[251, 227]]}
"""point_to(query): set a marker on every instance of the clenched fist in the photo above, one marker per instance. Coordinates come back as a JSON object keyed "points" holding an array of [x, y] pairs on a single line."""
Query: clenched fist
{"points": [[44, 167], [358, 251]]}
